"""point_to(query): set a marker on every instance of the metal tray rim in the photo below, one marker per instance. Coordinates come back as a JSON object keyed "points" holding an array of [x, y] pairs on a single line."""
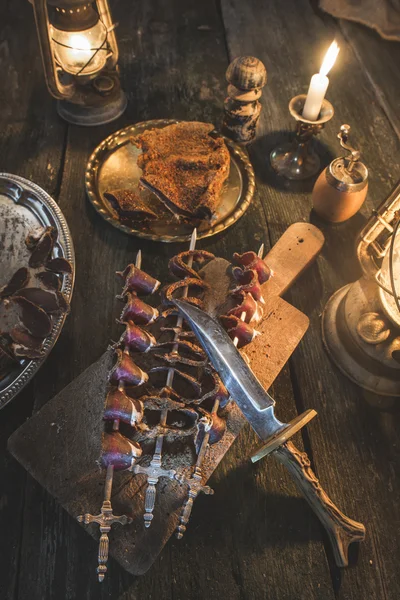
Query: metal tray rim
{"points": [[65, 239]]}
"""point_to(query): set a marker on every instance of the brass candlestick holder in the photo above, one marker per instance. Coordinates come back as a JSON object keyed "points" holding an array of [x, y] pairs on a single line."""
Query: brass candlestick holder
{"points": [[298, 159]]}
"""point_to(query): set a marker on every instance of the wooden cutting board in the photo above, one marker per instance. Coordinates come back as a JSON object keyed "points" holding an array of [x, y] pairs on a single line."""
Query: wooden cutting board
{"points": [[60, 445]]}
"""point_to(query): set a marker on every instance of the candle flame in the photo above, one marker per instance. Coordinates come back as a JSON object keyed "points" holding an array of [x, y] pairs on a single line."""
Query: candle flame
{"points": [[330, 58]]}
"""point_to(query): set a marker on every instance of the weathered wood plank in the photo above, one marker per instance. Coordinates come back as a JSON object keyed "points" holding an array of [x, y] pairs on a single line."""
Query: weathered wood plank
{"points": [[32, 135], [31, 145], [348, 439], [178, 71], [13, 479], [173, 64], [379, 59]]}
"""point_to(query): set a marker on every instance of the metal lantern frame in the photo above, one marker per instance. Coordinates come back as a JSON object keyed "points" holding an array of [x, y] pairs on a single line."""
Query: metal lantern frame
{"points": [[83, 99], [361, 321], [376, 241]]}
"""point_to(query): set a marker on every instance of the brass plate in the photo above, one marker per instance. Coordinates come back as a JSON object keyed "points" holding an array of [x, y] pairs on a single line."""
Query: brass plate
{"points": [[113, 165], [25, 206]]}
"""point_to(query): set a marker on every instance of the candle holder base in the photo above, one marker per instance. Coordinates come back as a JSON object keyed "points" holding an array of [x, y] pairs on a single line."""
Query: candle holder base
{"points": [[295, 161], [298, 159]]}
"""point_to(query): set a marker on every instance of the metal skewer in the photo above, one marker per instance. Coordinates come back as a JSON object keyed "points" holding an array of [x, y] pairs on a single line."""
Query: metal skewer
{"points": [[194, 482], [106, 518], [154, 471]]}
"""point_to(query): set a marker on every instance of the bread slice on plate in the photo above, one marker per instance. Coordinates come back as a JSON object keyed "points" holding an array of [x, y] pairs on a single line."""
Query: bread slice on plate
{"points": [[130, 206], [185, 167]]}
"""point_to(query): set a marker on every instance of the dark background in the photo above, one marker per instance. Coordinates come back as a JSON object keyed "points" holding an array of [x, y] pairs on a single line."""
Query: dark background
{"points": [[255, 538]]}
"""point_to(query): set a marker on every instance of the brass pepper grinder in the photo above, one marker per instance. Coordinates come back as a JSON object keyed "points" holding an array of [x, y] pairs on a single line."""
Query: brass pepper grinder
{"points": [[246, 76], [341, 189]]}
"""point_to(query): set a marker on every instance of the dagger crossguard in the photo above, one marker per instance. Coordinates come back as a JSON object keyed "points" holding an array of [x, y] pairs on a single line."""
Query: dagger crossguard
{"points": [[153, 472], [105, 519], [195, 487]]}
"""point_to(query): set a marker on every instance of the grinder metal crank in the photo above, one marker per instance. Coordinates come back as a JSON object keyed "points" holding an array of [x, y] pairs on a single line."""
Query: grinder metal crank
{"points": [[257, 407]]}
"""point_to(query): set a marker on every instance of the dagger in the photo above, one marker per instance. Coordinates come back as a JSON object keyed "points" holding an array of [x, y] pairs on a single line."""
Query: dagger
{"points": [[257, 407]]}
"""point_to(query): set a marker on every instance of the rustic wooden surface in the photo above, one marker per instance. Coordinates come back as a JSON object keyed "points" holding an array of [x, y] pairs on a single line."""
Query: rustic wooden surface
{"points": [[255, 538]]}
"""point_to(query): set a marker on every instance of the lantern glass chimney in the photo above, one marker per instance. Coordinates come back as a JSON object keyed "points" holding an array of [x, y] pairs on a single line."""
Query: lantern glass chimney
{"points": [[81, 52]]}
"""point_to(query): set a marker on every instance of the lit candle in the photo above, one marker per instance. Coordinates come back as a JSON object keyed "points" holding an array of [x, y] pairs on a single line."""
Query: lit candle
{"points": [[319, 84]]}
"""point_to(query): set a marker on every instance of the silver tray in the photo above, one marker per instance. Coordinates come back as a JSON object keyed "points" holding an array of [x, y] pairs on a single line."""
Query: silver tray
{"points": [[113, 165], [24, 206]]}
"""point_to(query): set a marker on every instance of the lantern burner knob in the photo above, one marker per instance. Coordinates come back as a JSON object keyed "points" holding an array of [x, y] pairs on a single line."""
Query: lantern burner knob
{"points": [[104, 84], [373, 328]]}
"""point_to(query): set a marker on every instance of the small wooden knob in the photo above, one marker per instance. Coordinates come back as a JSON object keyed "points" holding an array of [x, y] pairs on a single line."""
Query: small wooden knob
{"points": [[243, 95], [247, 73]]}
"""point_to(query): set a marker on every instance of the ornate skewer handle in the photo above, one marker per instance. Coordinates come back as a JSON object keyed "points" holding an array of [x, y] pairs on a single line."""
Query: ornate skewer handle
{"points": [[149, 501], [195, 487], [185, 515], [153, 472], [103, 556], [187, 509], [105, 519], [342, 530]]}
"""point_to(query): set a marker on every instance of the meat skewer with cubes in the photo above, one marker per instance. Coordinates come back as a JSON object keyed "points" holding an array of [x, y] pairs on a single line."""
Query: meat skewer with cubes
{"points": [[251, 312], [118, 452], [142, 357]]}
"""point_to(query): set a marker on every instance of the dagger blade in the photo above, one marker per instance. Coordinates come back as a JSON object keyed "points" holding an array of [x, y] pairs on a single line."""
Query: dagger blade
{"points": [[255, 403]]}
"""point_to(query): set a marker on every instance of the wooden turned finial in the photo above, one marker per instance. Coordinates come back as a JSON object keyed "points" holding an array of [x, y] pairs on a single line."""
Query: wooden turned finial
{"points": [[246, 76]]}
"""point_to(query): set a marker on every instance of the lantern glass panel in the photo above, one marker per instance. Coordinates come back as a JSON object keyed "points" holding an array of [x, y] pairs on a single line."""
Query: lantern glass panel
{"points": [[81, 52], [388, 300]]}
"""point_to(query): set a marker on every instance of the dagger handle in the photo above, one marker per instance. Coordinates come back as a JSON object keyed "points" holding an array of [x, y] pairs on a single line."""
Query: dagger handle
{"points": [[342, 530]]}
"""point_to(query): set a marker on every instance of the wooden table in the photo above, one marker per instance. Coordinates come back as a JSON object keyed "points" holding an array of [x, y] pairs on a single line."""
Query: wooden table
{"points": [[255, 538]]}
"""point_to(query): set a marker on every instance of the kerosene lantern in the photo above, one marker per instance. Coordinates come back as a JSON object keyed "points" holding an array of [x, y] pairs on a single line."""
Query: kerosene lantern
{"points": [[361, 321], [80, 54]]}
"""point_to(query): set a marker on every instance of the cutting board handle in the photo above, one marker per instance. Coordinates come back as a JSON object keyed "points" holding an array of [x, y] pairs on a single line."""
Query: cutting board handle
{"points": [[295, 250]]}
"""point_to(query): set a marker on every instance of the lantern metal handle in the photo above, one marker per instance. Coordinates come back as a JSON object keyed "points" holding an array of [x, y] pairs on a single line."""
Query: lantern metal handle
{"points": [[105, 17], [374, 239], [56, 88]]}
